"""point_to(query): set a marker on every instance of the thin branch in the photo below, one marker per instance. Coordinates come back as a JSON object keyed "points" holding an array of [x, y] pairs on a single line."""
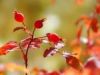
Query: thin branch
{"points": [[26, 29], [27, 50], [30, 41], [23, 24], [21, 49]]}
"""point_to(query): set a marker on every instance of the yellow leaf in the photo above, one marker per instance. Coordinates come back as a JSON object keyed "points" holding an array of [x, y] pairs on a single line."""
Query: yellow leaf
{"points": [[16, 67]]}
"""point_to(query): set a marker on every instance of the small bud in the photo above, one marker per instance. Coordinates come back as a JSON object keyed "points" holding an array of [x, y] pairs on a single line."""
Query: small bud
{"points": [[19, 17], [39, 23]]}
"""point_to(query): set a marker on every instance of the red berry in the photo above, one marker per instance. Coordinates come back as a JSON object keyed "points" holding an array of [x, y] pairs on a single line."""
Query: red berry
{"points": [[19, 17], [98, 9], [53, 38], [39, 23]]}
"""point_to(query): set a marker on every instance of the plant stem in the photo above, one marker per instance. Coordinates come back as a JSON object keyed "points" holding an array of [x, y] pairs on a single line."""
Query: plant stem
{"points": [[27, 50], [23, 54], [26, 29], [30, 41], [23, 24], [22, 51], [88, 36]]}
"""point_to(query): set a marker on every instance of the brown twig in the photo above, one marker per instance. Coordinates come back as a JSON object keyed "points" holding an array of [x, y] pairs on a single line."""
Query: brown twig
{"points": [[27, 50]]}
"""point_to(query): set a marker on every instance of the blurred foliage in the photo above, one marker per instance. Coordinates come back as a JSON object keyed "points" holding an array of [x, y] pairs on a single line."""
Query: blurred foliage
{"points": [[65, 12]]}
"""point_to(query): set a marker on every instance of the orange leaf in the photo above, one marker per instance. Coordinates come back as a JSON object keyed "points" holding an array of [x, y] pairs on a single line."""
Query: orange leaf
{"points": [[97, 9], [82, 18], [79, 32], [3, 51], [16, 67], [98, 1], [77, 50], [53, 2], [79, 2], [49, 52], [90, 22], [95, 50]]}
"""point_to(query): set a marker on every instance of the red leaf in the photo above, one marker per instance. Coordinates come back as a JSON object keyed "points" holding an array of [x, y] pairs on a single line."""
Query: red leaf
{"points": [[49, 52], [39, 23], [93, 65], [18, 28], [95, 50], [54, 73], [86, 19], [3, 51], [43, 72], [79, 32], [97, 9], [90, 22], [94, 24], [98, 1], [10, 45], [90, 63], [71, 60], [36, 42], [7, 47], [54, 38]]}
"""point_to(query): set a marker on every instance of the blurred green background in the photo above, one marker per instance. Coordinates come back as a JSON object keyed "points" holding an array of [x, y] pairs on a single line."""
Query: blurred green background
{"points": [[61, 16]]}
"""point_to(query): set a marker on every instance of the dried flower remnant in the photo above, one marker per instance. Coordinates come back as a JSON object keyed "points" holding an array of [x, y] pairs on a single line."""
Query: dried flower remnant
{"points": [[18, 28], [50, 52]]}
